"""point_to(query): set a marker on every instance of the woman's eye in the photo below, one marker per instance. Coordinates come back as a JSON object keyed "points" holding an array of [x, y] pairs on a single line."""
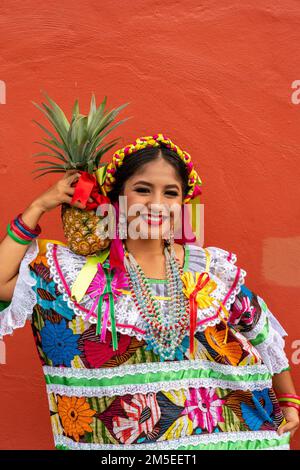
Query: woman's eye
{"points": [[141, 190], [144, 190]]}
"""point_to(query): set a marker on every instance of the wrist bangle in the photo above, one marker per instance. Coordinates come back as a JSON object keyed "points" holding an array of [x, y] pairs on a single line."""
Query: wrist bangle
{"points": [[290, 405], [35, 231], [15, 238], [14, 228], [21, 229], [288, 397], [290, 400]]}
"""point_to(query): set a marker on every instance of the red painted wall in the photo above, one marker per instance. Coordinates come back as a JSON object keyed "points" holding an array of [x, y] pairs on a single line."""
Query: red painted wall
{"points": [[216, 77]]}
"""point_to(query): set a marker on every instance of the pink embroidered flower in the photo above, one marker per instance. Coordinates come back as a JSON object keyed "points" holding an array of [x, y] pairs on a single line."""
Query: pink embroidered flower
{"points": [[143, 414], [98, 284], [204, 408], [242, 311]]}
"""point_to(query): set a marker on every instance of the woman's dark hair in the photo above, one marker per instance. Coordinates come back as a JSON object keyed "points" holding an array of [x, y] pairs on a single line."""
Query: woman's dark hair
{"points": [[136, 160]]}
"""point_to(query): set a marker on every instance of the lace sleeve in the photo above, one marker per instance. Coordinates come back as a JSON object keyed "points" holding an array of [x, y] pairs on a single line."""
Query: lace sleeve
{"points": [[251, 316], [24, 298]]}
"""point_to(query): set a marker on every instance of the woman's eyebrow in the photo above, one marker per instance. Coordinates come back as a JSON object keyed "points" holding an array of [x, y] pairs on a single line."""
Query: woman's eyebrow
{"points": [[151, 185]]}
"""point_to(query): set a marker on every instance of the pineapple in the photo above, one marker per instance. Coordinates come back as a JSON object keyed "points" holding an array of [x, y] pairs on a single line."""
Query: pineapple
{"points": [[79, 146]]}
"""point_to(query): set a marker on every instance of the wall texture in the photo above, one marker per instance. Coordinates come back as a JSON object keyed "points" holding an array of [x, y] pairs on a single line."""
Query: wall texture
{"points": [[216, 76]]}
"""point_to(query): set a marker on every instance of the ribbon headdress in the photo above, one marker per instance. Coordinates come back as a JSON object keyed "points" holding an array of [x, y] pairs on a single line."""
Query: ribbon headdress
{"points": [[156, 140]]}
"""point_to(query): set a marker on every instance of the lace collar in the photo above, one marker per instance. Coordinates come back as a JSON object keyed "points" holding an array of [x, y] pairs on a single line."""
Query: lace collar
{"points": [[65, 266]]}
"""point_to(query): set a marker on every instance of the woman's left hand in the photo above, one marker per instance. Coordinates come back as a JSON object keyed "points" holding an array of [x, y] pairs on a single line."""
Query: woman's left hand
{"points": [[292, 421]]}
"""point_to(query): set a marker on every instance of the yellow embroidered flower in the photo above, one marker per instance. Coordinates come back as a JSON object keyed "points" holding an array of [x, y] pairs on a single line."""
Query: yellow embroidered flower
{"points": [[203, 297], [76, 416]]}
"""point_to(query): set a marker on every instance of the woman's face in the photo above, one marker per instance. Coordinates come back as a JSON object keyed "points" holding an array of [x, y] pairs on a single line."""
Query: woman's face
{"points": [[155, 189]]}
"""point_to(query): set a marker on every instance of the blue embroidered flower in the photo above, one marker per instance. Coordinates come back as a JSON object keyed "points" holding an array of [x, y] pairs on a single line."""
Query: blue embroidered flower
{"points": [[264, 397], [256, 417], [59, 343], [54, 301]]}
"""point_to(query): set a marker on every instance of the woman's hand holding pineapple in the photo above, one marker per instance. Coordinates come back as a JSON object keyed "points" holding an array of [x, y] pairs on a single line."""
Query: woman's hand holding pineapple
{"points": [[11, 253], [61, 192]]}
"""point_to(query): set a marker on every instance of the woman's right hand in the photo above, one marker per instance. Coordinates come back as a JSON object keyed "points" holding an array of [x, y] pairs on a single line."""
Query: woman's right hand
{"points": [[61, 192]]}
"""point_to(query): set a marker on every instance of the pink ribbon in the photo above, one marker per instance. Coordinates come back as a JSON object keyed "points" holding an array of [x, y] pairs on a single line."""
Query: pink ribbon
{"points": [[96, 289]]}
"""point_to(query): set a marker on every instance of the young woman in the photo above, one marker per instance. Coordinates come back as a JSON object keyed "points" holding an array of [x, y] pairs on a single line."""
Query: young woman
{"points": [[165, 347]]}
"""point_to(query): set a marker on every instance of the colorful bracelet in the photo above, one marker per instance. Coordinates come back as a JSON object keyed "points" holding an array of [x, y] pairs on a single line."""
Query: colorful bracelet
{"points": [[14, 228], [21, 223], [20, 232], [289, 397], [15, 238], [289, 400]]}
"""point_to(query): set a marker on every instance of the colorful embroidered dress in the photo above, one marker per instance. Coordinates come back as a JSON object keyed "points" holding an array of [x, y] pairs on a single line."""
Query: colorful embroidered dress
{"points": [[130, 399]]}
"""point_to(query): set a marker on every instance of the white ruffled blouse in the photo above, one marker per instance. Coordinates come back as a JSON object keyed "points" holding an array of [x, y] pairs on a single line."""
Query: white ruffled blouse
{"points": [[222, 269]]}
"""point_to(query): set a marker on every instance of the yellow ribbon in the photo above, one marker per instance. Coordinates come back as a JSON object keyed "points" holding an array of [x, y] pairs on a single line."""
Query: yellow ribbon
{"points": [[86, 275], [203, 297], [100, 177], [194, 207]]}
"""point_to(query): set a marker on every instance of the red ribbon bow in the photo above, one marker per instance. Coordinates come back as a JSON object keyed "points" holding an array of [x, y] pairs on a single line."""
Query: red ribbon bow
{"points": [[87, 187]]}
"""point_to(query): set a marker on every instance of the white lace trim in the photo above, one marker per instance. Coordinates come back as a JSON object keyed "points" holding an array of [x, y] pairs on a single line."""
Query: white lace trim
{"points": [[184, 441], [155, 387], [222, 271], [272, 352], [24, 297], [271, 349], [258, 327], [154, 367]]}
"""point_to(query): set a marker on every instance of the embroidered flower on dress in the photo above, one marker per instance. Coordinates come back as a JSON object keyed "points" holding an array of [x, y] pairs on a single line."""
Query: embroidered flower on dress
{"points": [[242, 310], [256, 416], [59, 343], [76, 416], [204, 408], [143, 414]]}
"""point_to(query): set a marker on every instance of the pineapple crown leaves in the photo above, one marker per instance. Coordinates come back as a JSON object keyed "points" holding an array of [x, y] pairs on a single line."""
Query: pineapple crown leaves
{"points": [[79, 144]]}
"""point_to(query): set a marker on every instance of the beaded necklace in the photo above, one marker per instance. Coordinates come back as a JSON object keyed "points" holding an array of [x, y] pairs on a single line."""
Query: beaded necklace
{"points": [[164, 330]]}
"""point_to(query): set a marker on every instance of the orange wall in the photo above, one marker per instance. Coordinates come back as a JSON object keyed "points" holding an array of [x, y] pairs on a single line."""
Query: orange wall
{"points": [[213, 75]]}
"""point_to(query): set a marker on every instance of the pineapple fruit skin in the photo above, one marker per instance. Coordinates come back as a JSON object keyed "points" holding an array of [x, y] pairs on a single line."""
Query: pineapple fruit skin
{"points": [[80, 230]]}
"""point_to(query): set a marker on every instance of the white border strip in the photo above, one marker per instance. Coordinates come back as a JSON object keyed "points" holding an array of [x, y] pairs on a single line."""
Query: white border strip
{"points": [[153, 367], [174, 444], [154, 387]]}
